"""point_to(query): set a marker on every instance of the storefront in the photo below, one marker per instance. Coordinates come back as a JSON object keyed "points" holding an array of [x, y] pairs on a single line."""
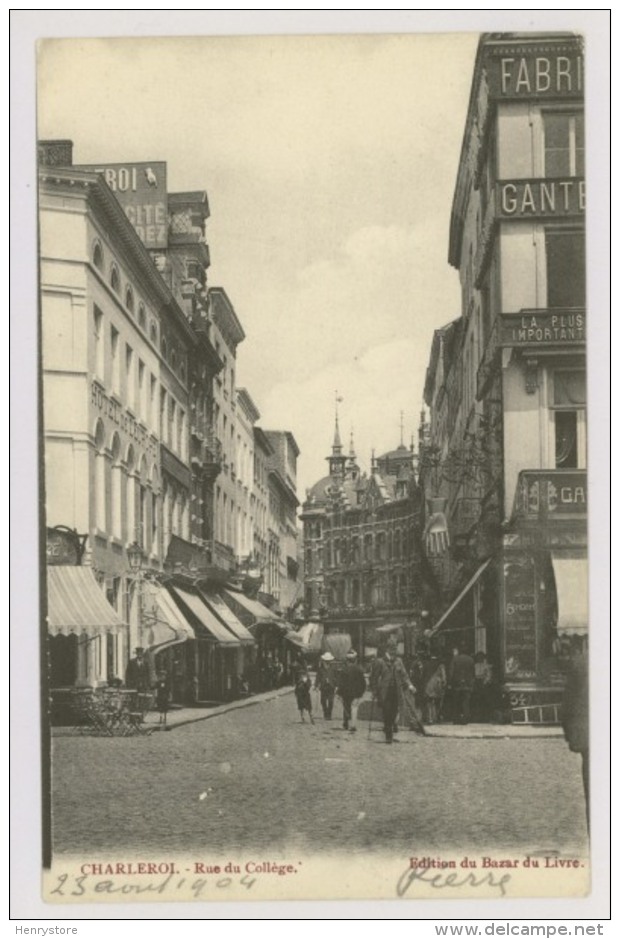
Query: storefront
{"points": [[275, 657], [213, 656]]}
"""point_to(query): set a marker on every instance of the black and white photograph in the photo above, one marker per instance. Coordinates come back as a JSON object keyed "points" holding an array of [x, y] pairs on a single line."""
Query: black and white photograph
{"points": [[313, 436]]}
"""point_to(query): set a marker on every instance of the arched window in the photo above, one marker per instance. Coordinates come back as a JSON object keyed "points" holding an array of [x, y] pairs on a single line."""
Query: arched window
{"points": [[173, 358], [98, 256], [100, 474], [142, 317], [115, 279], [155, 507], [153, 332], [164, 349], [129, 301], [116, 488], [143, 508]]}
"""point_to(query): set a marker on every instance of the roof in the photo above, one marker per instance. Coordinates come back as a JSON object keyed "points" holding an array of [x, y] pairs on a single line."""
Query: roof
{"points": [[225, 315], [398, 454]]}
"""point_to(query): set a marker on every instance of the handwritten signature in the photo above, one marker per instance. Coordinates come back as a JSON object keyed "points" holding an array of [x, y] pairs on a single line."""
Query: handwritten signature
{"points": [[454, 879]]}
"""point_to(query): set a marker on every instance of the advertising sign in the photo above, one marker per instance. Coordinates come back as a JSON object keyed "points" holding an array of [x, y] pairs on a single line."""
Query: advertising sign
{"points": [[519, 619], [535, 70], [141, 189]]}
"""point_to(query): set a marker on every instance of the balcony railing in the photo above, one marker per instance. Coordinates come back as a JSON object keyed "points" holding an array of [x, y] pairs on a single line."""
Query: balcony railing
{"points": [[551, 495]]}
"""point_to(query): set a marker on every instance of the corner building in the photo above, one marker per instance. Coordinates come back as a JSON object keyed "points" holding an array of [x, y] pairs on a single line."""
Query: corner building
{"points": [[506, 383]]}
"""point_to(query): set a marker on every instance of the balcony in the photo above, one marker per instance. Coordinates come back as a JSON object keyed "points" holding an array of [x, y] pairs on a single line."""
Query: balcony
{"points": [[205, 455], [551, 496], [490, 361]]}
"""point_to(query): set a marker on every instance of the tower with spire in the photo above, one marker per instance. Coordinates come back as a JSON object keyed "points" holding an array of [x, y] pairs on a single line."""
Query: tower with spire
{"points": [[337, 460]]}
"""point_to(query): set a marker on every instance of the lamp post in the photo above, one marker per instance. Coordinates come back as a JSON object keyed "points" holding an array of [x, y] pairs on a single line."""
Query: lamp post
{"points": [[135, 557]]}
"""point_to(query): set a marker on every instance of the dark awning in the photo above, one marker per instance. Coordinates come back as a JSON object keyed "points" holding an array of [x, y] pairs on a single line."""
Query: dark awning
{"points": [[259, 613], [77, 604], [470, 583], [163, 622], [205, 618], [236, 627]]}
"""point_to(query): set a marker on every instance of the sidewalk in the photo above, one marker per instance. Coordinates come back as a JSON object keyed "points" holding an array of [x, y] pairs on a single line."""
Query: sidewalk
{"points": [[182, 716]]}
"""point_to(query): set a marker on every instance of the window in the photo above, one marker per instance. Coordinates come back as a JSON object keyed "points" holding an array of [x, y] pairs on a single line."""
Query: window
{"points": [[142, 399], [568, 418], [564, 144], [152, 332], [130, 378], [163, 417], [142, 318], [566, 263], [129, 303], [116, 367], [152, 415], [100, 477], [115, 280], [116, 489], [98, 256], [99, 344]]}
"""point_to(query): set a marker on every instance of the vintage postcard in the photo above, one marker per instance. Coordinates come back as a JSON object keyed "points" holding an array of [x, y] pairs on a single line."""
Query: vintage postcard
{"points": [[315, 565]]}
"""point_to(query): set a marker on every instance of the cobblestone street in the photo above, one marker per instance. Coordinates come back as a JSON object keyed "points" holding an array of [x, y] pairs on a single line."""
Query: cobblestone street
{"points": [[257, 778]]}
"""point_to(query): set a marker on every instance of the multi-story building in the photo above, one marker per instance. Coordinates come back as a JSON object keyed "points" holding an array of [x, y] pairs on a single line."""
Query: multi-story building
{"points": [[247, 415], [227, 333], [506, 447], [282, 565], [115, 347], [362, 547]]}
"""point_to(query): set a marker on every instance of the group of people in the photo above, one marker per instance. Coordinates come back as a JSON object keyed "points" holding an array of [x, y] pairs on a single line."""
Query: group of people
{"points": [[144, 678], [390, 684]]}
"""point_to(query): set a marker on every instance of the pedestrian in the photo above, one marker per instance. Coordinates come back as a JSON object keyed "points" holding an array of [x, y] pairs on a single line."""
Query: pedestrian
{"points": [[434, 689], [326, 685], [351, 687], [575, 716], [393, 684], [482, 695], [302, 694], [162, 695], [461, 678], [137, 674]]}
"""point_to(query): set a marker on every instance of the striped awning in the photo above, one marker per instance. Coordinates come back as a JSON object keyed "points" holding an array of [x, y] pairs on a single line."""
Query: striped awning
{"points": [[571, 582], [255, 608], [204, 618], [236, 627], [163, 623], [77, 604]]}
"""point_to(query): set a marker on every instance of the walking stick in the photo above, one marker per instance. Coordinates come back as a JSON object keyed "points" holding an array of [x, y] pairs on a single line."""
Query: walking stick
{"points": [[372, 708]]}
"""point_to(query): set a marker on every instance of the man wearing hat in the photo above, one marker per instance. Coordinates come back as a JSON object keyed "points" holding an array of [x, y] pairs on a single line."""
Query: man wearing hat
{"points": [[137, 675], [393, 682], [326, 684], [351, 687]]}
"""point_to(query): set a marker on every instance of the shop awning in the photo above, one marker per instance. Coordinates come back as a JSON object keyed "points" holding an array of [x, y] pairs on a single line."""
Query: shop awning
{"points": [[205, 618], [389, 628], [163, 622], [259, 613], [571, 584], [470, 583], [77, 604], [236, 627], [311, 636]]}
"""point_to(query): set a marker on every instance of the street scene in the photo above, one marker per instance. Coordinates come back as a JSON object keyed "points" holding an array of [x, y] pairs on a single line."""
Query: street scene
{"points": [[313, 369], [256, 778]]}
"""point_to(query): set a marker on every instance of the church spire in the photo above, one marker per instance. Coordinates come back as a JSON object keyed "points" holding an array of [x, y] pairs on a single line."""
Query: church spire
{"points": [[337, 459], [337, 444]]}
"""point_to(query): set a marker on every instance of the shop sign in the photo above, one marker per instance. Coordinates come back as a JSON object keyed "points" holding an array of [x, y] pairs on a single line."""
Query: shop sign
{"points": [[64, 546], [141, 189], [519, 619], [542, 327], [541, 198], [126, 423], [555, 493], [526, 71]]}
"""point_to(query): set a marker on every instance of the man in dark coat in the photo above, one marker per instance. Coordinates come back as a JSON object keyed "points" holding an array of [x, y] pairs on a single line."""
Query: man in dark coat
{"points": [[351, 687], [461, 678], [137, 675], [393, 681], [575, 709], [325, 683]]}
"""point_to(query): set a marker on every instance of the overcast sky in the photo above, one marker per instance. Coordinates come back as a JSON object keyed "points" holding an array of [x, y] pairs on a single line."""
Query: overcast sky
{"points": [[329, 164]]}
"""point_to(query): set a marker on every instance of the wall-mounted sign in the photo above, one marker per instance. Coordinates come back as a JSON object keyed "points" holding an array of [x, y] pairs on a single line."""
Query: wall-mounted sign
{"points": [[540, 198], [64, 546], [551, 494], [112, 411], [542, 328], [535, 70], [141, 189]]}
